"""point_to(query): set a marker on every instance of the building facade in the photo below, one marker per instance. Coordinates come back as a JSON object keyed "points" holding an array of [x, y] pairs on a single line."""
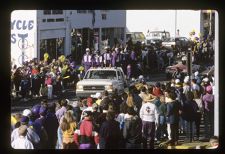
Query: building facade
{"points": [[207, 20], [71, 31]]}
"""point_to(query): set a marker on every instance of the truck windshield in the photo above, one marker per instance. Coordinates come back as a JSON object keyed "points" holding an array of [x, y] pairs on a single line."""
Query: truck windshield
{"points": [[101, 74]]}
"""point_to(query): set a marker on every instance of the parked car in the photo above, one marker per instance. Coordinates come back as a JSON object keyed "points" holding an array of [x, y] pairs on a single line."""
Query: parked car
{"points": [[100, 79], [154, 37], [181, 43]]}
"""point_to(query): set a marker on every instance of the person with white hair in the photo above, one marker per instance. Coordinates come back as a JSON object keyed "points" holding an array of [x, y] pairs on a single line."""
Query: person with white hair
{"points": [[87, 59]]}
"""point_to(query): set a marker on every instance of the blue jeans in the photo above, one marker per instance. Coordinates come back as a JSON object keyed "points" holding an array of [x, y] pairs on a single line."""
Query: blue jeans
{"points": [[161, 129], [189, 129]]}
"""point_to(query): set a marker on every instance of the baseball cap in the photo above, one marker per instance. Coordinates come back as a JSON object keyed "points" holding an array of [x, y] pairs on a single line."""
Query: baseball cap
{"points": [[43, 111], [196, 73], [177, 81], [87, 49], [35, 109], [26, 112], [205, 79], [24, 120], [97, 95]]}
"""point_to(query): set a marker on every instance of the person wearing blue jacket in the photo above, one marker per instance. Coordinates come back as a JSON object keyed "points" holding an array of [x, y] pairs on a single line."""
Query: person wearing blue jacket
{"points": [[172, 116]]}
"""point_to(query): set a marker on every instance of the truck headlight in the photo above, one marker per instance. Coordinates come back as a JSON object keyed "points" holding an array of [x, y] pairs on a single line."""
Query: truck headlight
{"points": [[108, 87], [79, 87]]}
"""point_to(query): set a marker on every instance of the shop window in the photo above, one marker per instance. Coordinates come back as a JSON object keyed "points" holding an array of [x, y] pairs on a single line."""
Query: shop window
{"points": [[81, 11], [103, 16], [46, 12], [57, 11], [59, 20], [50, 20]]}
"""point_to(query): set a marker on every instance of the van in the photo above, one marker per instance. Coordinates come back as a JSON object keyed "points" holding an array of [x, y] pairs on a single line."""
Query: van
{"points": [[136, 37]]}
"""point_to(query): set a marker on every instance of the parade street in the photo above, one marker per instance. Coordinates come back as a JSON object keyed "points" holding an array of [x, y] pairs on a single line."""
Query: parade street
{"points": [[113, 79]]}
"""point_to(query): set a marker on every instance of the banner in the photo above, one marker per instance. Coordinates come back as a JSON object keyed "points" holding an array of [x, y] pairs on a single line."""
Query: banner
{"points": [[23, 36]]}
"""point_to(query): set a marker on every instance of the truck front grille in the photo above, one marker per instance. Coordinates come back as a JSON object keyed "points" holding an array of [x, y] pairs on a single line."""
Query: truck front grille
{"points": [[94, 87]]}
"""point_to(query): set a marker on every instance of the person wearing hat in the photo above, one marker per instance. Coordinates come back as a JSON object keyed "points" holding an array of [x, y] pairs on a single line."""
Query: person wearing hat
{"points": [[85, 137], [98, 59], [186, 85], [149, 115], [114, 57], [31, 135], [87, 60], [107, 58], [42, 122], [208, 104], [118, 57], [22, 142], [27, 112]]}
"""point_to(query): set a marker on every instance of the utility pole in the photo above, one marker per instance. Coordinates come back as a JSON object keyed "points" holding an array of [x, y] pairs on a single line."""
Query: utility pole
{"points": [[175, 23]]}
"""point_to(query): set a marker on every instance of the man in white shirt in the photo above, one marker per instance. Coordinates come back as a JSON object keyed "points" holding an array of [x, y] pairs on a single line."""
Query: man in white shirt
{"points": [[149, 115], [31, 135], [22, 142]]}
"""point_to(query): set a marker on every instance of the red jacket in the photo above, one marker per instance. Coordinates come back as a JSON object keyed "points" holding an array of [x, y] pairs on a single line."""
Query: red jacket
{"points": [[157, 91], [86, 134]]}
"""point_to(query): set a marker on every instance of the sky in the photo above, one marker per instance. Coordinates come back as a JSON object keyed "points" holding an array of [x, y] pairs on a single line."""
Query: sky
{"points": [[144, 20]]}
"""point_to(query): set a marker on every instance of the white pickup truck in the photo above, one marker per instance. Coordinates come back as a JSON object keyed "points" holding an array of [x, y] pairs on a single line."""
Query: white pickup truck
{"points": [[100, 79]]}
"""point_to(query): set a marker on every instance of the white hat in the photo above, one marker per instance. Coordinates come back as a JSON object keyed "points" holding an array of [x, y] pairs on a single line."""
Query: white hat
{"points": [[205, 79], [26, 112], [186, 80], [184, 58], [196, 73], [87, 49], [177, 81], [141, 77], [97, 95]]}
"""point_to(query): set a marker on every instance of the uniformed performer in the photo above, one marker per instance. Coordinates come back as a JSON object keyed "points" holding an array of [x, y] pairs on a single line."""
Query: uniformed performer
{"points": [[87, 60], [114, 57], [107, 57], [98, 59]]}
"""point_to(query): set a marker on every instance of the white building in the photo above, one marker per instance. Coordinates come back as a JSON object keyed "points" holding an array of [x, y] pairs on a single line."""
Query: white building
{"points": [[57, 30]]}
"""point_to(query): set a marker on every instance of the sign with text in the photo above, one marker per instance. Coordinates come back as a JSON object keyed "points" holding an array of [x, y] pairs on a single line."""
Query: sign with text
{"points": [[23, 36]]}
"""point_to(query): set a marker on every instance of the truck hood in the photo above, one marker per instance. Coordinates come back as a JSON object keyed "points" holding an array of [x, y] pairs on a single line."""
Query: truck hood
{"points": [[96, 82]]}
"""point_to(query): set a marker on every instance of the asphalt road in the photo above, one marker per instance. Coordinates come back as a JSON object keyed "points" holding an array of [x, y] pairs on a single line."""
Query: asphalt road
{"points": [[17, 105]]}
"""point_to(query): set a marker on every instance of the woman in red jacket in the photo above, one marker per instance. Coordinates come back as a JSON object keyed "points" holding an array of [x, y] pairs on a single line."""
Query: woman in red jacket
{"points": [[86, 137]]}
